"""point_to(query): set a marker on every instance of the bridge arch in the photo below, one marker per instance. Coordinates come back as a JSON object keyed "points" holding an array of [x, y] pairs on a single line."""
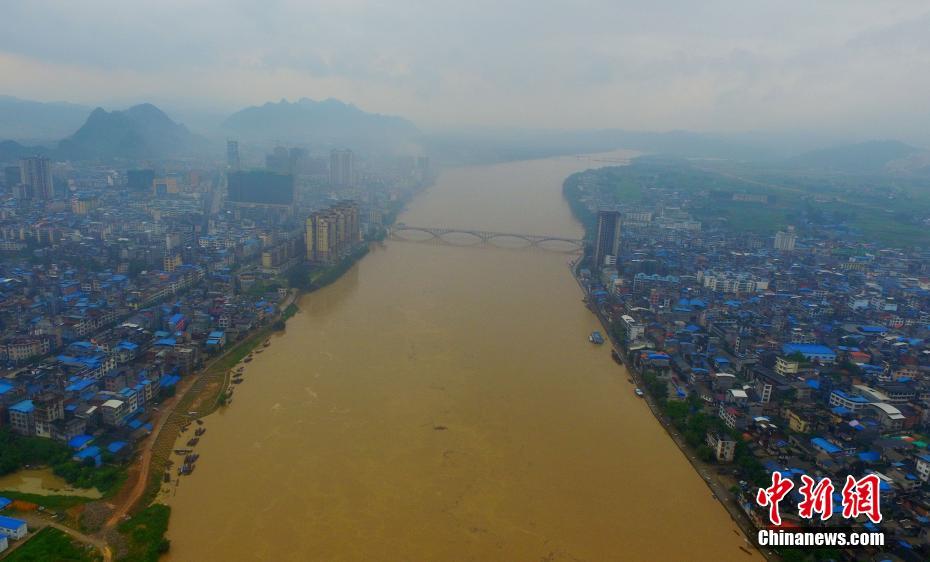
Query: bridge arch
{"points": [[482, 236]]}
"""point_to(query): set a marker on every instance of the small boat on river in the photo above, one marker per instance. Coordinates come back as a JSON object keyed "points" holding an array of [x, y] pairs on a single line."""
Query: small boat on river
{"points": [[596, 338]]}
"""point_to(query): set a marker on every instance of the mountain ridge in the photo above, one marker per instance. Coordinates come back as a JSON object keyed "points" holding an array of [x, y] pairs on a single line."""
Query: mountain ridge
{"points": [[328, 120]]}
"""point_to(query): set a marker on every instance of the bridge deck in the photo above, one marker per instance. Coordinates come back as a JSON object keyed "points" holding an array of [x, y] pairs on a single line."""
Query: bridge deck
{"points": [[487, 235]]}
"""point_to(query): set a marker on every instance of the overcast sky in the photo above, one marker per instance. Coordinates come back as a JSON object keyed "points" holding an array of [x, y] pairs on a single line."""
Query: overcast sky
{"points": [[857, 66]]}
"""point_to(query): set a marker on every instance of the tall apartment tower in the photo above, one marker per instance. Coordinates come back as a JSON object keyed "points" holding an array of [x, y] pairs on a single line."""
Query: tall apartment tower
{"points": [[342, 168], [331, 232], [785, 240], [233, 164], [37, 176], [607, 242]]}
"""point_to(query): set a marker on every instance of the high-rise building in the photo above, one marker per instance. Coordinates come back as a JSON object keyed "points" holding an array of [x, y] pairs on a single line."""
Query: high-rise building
{"points": [[140, 179], [233, 164], [260, 188], [11, 177], [37, 175], [785, 240], [332, 231], [342, 168], [607, 242]]}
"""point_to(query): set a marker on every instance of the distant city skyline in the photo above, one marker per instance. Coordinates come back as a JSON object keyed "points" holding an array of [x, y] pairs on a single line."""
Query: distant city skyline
{"points": [[851, 67]]}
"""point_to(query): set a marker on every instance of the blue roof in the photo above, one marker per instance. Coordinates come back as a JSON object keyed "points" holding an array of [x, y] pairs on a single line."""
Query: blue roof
{"points": [[806, 349], [80, 385], [11, 523], [851, 397], [5, 502], [79, 441], [167, 341], [89, 452], [116, 446], [825, 445], [23, 407], [869, 456], [168, 380], [813, 383], [5, 387]]}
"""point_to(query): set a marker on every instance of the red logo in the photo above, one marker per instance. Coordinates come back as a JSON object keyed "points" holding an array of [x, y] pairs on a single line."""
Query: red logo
{"points": [[773, 495], [859, 497], [817, 498]]}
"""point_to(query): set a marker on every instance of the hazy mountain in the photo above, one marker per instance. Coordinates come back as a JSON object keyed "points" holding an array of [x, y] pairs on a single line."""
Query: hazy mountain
{"points": [[32, 121], [872, 157], [140, 132], [328, 121], [11, 151]]}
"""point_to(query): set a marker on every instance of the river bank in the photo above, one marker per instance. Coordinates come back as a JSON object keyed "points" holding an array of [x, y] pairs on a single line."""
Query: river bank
{"points": [[432, 404], [719, 489]]}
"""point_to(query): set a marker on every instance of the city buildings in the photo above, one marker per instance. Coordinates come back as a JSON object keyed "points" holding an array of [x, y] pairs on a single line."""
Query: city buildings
{"points": [[332, 232], [786, 239], [37, 177], [260, 188], [233, 163], [342, 171], [607, 237], [816, 365]]}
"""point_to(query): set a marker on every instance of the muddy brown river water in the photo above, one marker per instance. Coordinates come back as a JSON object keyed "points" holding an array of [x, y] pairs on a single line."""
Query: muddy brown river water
{"points": [[443, 403]]}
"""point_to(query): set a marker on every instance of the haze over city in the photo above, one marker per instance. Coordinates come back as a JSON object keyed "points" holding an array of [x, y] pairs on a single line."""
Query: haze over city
{"points": [[844, 67], [358, 280]]}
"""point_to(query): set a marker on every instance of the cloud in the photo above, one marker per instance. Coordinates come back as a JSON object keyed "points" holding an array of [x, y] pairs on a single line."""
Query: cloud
{"points": [[851, 65]]}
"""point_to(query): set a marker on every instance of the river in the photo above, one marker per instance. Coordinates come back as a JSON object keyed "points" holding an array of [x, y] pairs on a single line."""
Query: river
{"points": [[443, 403]]}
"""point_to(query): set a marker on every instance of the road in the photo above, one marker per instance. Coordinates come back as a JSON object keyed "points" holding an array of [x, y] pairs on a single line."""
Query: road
{"points": [[144, 460], [36, 522]]}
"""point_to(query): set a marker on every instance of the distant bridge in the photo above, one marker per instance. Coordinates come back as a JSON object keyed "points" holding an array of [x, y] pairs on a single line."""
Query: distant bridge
{"points": [[487, 236]]}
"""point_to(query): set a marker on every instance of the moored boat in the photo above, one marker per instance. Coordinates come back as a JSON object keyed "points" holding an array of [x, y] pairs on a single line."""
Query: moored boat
{"points": [[638, 392], [596, 338]]}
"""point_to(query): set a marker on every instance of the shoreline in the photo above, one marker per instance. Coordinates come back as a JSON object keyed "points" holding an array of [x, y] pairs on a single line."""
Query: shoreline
{"points": [[704, 470], [223, 365], [197, 397]]}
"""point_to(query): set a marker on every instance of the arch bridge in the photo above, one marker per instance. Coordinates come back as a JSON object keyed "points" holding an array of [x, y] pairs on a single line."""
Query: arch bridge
{"points": [[486, 236]]}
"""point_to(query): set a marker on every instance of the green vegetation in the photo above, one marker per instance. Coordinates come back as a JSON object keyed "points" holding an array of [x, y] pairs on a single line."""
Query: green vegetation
{"points": [[145, 534], [689, 418], [323, 277], [299, 276], [883, 208], [52, 544], [573, 193], [17, 451], [55, 502]]}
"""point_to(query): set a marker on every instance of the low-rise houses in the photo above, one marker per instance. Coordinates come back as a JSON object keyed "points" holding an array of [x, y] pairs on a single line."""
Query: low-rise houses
{"points": [[814, 351]]}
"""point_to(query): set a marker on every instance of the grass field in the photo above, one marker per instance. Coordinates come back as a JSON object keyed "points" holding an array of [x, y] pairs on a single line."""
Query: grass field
{"points": [[50, 544]]}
